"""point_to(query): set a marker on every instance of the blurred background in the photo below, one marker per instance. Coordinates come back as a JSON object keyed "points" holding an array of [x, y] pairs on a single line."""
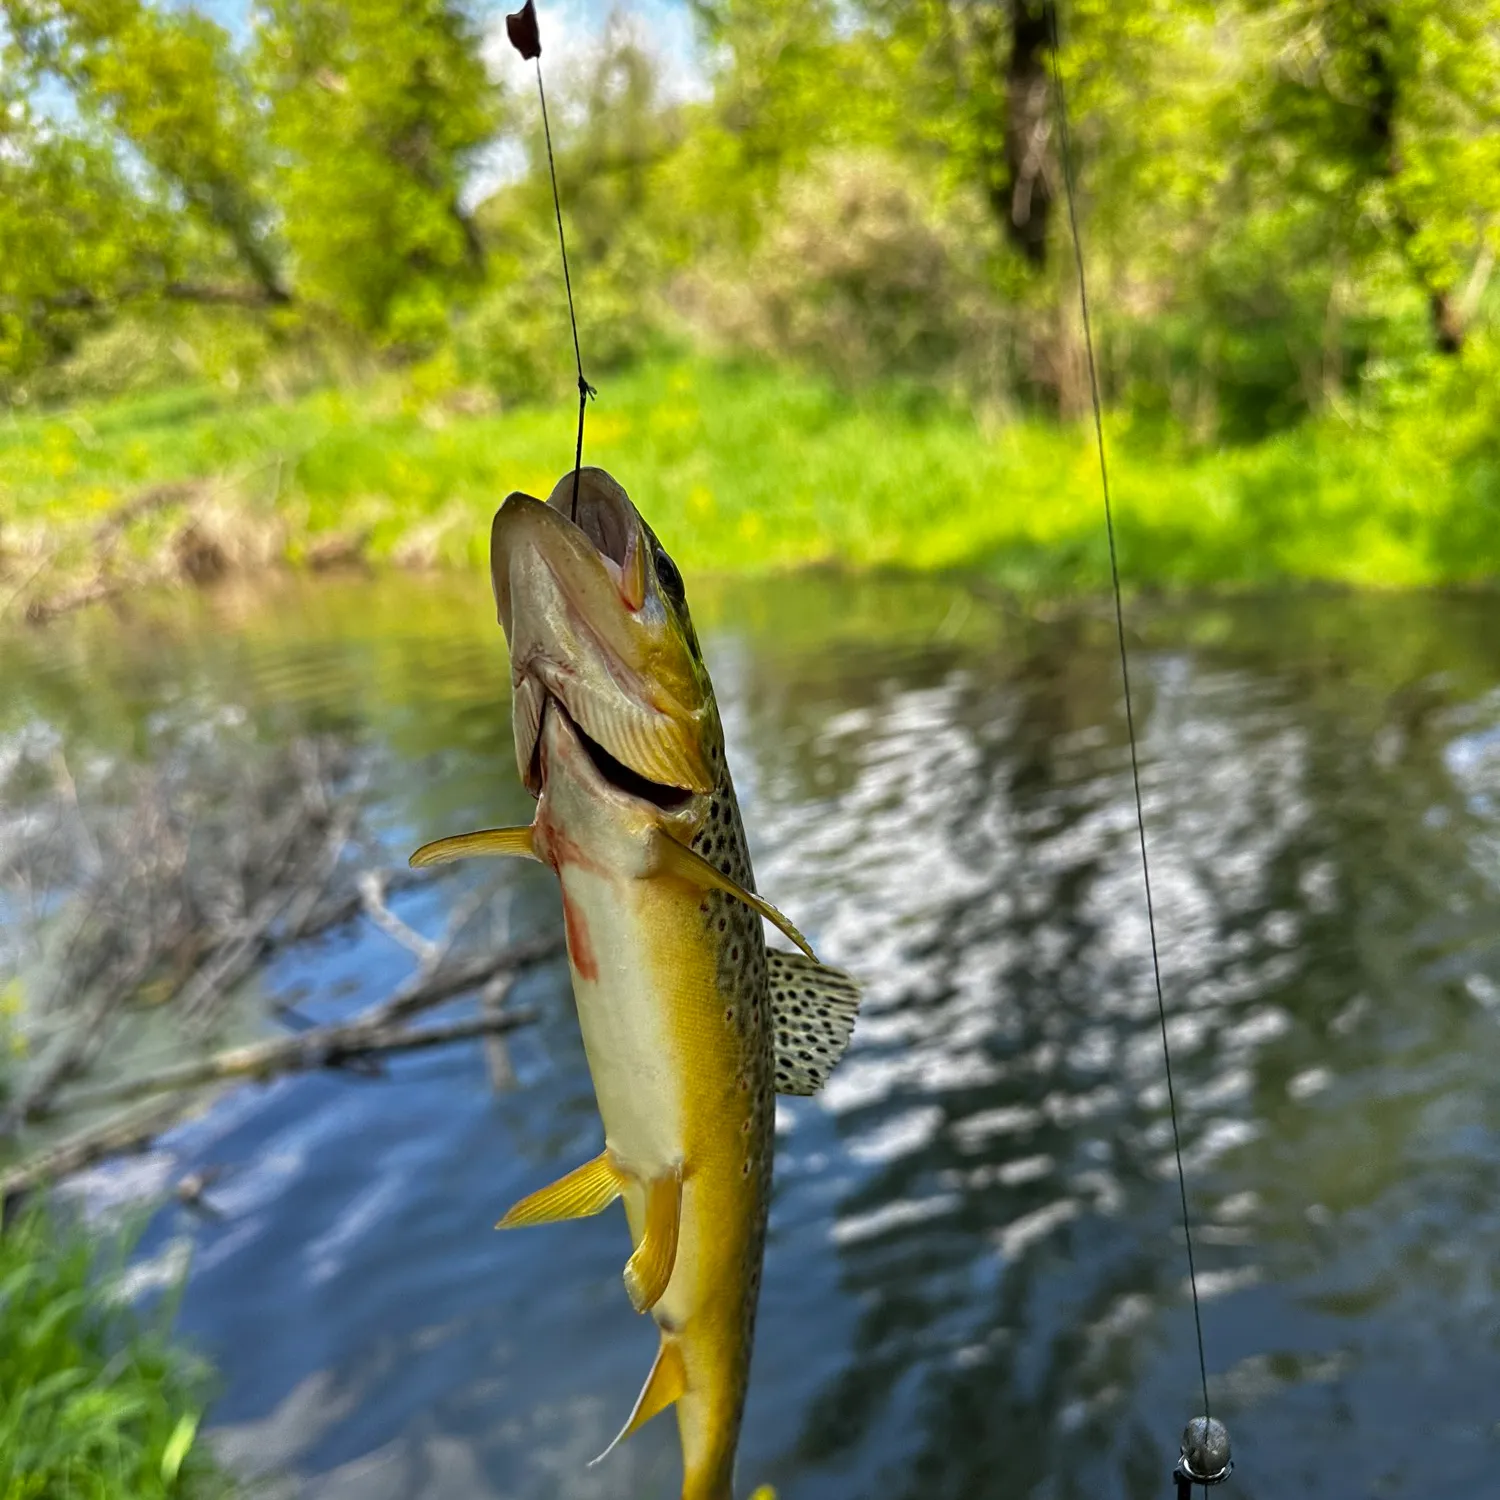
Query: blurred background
{"points": [[282, 321]]}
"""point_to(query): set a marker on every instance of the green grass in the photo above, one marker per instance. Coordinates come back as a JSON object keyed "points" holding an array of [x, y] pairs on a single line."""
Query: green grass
{"points": [[95, 1402], [747, 470]]}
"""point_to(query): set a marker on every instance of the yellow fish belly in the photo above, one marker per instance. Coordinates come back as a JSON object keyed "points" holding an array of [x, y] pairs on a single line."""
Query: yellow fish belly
{"points": [[681, 1069]]}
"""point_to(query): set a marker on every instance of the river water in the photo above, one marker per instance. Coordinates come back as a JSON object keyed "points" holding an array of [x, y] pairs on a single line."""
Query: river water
{"points": [[976, 1281]]}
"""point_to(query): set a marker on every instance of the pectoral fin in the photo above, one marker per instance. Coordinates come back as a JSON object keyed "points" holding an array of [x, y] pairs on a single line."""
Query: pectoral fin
{"points": [[812, 1019], [648, 1271], [666, 1382], [687, 864], [487, 841], [586, 1190]]}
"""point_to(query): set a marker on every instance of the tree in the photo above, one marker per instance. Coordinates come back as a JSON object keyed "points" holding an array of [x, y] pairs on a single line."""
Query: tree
{"points": [[74, 237], [376, 108], [144, 155], [1392, 113], [169, 90]]}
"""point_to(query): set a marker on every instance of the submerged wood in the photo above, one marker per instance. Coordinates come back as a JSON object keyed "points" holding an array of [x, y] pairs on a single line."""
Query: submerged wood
{"points": [[174, 895], [379, 1031], [116, 1136], [323, 1047], [159, 904]]}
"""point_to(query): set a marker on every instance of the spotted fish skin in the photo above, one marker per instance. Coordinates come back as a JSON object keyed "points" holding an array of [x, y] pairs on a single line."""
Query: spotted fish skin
{"points": [[670, 979], [618, 736], [694, 1000]]}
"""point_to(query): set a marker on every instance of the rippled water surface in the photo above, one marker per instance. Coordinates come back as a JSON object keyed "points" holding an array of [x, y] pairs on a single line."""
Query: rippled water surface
{"points": [[975, 1280]]}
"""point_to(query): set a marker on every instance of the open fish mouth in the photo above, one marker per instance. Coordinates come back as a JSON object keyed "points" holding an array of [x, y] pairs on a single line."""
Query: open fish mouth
{"points": [[637, 748], [610, 770]]}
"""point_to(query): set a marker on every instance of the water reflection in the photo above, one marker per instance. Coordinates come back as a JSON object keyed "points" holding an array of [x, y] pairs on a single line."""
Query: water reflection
{"points": [[976, 1281]]}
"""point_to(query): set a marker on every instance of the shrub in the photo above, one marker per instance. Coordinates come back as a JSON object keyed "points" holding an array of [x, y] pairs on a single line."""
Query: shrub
{"points": [[516, 339], [863, 274]]}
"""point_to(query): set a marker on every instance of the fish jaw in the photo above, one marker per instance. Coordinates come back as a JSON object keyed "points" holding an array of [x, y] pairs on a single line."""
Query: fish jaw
{"points": [[583, 819], [587, 625]]}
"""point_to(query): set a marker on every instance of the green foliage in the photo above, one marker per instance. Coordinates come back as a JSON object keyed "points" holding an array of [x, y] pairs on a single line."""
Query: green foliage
{"points": [[516, 339], [1274, 194], [72, 236], [318, 168], [900, 291], [376, 108], [745, 470], [1285, 204], [170, 89], [95, 1403], [1388, 116]]}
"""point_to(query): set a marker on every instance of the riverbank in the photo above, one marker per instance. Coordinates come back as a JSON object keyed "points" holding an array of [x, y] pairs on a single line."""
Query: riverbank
{"points": [[740, 470], [96, 1400]]}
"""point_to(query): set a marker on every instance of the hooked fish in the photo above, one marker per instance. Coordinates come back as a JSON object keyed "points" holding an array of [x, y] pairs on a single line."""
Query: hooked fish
{"points": [[691, 1023]]}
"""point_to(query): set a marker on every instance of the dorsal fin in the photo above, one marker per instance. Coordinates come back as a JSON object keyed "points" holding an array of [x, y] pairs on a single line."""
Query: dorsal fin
{"points": [[812, 1018]]}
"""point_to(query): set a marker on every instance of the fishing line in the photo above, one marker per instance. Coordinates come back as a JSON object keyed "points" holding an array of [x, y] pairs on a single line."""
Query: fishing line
{"points": [[526, 38], [1135, 766]]}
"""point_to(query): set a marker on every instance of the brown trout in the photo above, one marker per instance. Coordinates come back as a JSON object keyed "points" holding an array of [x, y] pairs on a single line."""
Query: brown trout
{"points": [[691, 1024]]}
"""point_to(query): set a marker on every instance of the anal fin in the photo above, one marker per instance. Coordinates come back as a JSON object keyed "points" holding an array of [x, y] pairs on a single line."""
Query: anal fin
{"points": [[648, 1271], [812, 1018], [666, 1382], [486, 841], [687, 864], [586, 1190]]}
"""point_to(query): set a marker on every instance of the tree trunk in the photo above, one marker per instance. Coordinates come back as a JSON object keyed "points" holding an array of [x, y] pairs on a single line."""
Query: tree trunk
{"points": [[1384, 101], [1026, 197], [1448, 323]]}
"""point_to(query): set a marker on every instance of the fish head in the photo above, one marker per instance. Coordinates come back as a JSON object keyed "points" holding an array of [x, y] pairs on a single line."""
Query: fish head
{"points": [[605, 665]]}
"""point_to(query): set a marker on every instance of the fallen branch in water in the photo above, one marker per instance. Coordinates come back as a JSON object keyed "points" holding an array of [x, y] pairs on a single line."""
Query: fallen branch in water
{"points": [[378, 1032], [191, 911], [327, 1047], [323, 1047], [422, 992], [163, 892], [380, 1029], [121, 1134], [205, 993]]}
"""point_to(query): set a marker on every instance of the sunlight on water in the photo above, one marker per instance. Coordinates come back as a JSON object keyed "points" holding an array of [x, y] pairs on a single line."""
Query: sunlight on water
{"points": [[975, 1282]]}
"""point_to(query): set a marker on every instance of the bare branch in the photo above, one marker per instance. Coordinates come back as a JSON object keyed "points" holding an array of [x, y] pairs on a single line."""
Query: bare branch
{"points": [[323, 1047], [127, 1132], [372, 898]]}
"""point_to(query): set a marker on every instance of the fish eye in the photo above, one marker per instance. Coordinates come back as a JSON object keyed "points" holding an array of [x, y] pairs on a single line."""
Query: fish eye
{"points": [[669, 578]]}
